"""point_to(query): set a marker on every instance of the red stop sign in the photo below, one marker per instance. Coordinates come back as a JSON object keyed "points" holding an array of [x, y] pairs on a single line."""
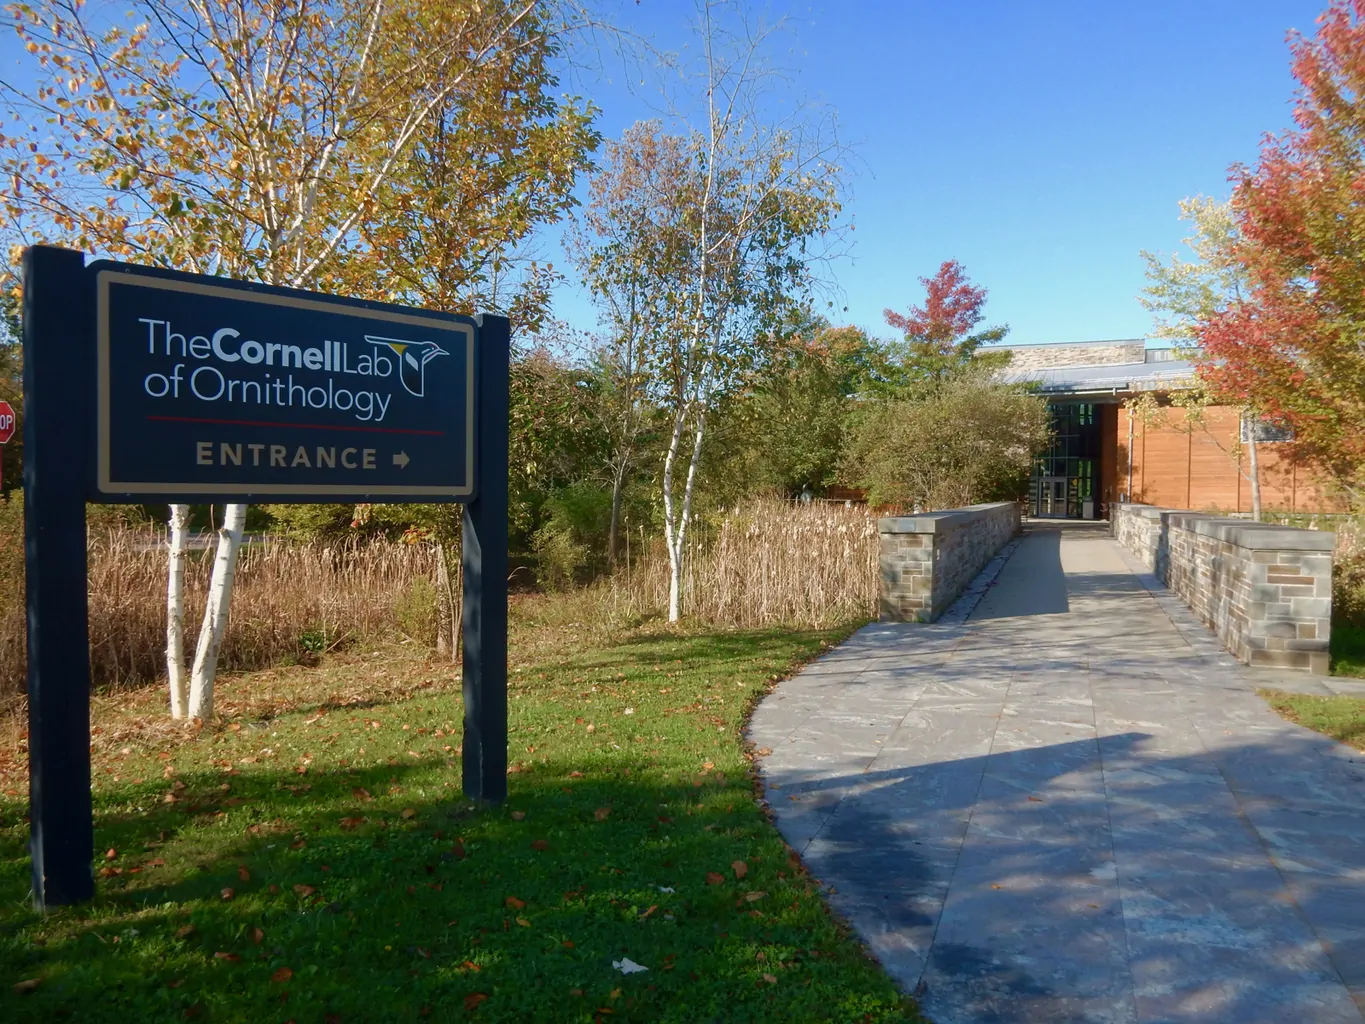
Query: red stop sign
{"points": [[6, 422]]}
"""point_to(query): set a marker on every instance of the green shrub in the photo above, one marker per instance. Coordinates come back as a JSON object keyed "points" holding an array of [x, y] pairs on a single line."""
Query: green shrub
{"points": [[1348, 589], [312, 522], [572, 542], [415, 611]]}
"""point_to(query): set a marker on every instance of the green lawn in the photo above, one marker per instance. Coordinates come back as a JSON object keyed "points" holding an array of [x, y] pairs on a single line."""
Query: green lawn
{"points": [[1348, 651], [1342, 718], [311, 858]]}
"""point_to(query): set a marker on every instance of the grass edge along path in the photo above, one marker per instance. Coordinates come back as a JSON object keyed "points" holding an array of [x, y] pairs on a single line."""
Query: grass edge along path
{"points": [[1348, 650], [1342, 718], [321, 865]]}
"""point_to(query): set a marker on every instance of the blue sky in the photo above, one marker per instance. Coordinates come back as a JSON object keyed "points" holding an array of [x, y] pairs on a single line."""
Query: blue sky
{"points": [[1042, 143]]}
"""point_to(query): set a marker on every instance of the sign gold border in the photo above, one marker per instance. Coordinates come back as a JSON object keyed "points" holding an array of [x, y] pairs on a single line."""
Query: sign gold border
{"points": [[106, 277]]}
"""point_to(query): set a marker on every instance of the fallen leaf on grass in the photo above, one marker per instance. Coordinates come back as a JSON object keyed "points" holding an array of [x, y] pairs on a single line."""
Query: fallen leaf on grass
{"points": [[304, 890], [515, 903], [282, 975], [230, 957], [26, 986], [601, 813], [110, 872], [575, 775], [540, 844], [740, 868], [472, 1001], [651, 910], [350, 824], [156, 862], [110, 854], [257, 935], [407, 812], [770, 979], [361, 793], [714, 878], [757, 894], [228, 893], [185, 932], [523, 922], [628, 966], [708, 765], [243, 873], [518, 815], [470, 965]]}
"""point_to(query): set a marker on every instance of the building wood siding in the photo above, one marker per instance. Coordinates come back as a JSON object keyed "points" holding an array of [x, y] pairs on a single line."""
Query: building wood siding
{"points": [[1179, 464]]}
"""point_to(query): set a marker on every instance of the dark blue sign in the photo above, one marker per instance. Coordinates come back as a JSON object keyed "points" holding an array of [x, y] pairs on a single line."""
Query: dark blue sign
{"points": [[210, 388]]}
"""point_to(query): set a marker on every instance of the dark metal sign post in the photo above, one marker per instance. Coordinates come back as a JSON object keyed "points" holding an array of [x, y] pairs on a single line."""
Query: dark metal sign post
{"points": [[151, 385]]}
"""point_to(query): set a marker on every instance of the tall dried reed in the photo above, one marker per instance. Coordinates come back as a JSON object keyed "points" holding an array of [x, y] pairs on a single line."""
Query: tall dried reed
{"points": [[769, 562], [290, 600]]}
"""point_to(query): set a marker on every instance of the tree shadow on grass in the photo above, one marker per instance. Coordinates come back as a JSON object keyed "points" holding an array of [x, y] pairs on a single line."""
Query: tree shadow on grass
{"points": [[379, 894]]}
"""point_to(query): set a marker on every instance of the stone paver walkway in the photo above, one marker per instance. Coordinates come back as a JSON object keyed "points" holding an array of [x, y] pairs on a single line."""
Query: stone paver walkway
{"points": [[1070, 806]]}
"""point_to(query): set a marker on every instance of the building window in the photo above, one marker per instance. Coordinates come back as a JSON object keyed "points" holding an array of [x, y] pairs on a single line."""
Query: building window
{"points": [[1265, 431]]}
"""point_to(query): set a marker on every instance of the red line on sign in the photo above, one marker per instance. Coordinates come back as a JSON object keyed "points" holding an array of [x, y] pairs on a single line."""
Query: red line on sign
{"points": [[300, 426]]}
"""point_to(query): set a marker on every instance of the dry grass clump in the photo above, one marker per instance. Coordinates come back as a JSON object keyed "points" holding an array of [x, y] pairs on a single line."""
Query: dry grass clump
{"points": [[290, 601], [1348, 573], [769, 562]]}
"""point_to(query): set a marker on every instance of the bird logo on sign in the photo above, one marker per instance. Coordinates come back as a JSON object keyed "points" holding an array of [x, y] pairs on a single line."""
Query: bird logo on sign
{"points": [[413, 357]]}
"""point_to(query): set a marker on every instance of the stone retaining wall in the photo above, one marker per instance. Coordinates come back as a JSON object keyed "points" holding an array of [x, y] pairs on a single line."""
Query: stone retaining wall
{"points": [[1265, 590], [928, 560]]}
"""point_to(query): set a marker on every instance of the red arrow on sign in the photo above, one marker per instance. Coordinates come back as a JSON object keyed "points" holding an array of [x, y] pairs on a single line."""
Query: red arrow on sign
{"points": [[6, 422]]}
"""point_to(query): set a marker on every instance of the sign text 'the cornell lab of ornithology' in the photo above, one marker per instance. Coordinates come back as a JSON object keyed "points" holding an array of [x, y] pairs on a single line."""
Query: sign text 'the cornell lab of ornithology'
{"points": [[241, 392]]}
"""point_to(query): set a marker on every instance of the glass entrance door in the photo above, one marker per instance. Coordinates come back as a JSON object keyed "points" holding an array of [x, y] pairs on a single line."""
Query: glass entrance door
{"points": [[1052, 496]]}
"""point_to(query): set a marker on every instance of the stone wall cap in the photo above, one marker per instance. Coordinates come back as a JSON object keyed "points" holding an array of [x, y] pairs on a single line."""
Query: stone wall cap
{"points": [[1146, 511], [1254, 536], [939, 522]]}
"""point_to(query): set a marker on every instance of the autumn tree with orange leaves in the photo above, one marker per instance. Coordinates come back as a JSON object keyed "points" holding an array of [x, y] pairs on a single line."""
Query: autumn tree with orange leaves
{"points": [[1293, 346]]}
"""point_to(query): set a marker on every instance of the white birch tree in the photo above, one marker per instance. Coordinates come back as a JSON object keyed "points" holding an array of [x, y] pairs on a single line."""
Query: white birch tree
{"points": [[175, 612], [765, 193], [729, 214], [256, 139]]}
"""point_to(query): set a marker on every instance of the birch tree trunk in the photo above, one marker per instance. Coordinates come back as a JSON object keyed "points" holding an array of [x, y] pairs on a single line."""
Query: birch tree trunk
{"points": [[1254, 476], [216, 612], [614, 530], [175, 613], [445, 606]]}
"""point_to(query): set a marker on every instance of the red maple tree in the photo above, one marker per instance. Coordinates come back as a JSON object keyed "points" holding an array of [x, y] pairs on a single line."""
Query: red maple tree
{"points": [[1294, 348], [952, 307], [939, 335]]}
